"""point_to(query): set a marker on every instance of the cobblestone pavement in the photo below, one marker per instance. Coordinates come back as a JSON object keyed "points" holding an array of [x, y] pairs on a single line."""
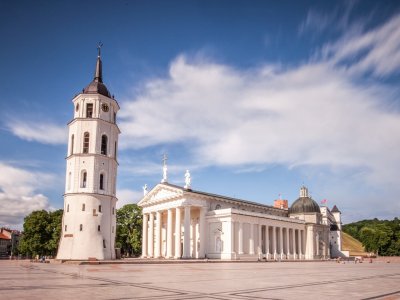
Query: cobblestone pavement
{"points": [[286, 280]]}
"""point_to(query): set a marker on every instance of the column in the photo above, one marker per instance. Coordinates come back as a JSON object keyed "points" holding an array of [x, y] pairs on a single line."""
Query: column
{"points": [[151, 235], [202, 232], [309, 243], [169, 233], [251, 240], [299, 234], [144, 235], [274, 242], [178, 253], [281, 241], [229, 239], [267, 241], [186, 237], [294, 242], [259, 247], [287, 243], [157, 250], [240, 240]]}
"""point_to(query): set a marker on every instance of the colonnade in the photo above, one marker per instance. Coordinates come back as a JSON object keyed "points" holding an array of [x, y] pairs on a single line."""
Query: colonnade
{"points": [[273, 242], [180, 241]]}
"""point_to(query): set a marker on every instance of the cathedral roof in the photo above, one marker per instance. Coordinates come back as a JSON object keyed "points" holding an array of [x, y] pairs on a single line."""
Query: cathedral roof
{"points": [[97, 86], [304, 204], [219, 197], [335, 209]]}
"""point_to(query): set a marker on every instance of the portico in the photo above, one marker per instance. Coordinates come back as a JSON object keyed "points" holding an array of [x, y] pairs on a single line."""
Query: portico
{"points": [[174, 230]]}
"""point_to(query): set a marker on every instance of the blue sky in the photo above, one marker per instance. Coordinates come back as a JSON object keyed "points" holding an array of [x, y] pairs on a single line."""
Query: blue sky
{"points": [[255, 98]]}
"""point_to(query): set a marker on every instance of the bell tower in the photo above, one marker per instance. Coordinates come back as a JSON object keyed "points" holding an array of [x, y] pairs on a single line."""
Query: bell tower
{"points": [[89, 220]]}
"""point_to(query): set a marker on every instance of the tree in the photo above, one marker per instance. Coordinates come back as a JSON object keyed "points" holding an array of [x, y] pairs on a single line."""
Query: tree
{"points": [[41, 234], [379, 236], [129, 229]]}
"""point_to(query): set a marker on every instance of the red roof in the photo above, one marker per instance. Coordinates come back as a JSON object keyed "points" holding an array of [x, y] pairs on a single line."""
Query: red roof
{"points": [[4, 237]]}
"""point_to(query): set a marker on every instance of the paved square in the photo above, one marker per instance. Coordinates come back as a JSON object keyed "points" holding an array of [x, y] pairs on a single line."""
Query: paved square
{"points": [[286, 280]]}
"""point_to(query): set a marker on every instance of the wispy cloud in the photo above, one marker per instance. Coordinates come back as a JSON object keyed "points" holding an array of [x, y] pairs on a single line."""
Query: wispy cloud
{"points": [[376, 51], [336, 20], [19, 193], [38, 131]]}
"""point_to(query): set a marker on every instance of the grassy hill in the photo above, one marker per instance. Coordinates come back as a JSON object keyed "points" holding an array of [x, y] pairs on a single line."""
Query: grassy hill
{"points": [[351, 244]]}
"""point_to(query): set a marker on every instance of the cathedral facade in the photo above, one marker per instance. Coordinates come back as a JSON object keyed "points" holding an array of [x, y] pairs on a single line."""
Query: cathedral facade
{"points": [[179, 222]]}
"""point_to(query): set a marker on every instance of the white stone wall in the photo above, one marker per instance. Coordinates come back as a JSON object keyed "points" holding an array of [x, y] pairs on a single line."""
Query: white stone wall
{"points": [[90, 233]]}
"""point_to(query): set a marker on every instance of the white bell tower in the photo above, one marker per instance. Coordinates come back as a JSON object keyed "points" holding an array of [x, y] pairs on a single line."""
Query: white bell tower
{"points": [[89, 220]]}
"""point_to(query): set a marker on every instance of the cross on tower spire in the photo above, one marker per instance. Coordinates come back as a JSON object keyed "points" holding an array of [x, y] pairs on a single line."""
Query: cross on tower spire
{"points": [[98, 74], [99, 45]]}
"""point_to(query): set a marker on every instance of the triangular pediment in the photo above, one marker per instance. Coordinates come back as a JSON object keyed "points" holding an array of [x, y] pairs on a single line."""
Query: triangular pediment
{"points": [[160, 193]]}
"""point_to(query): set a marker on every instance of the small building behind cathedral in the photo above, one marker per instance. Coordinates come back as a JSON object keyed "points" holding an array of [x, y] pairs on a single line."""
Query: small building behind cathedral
{"points": [[179, 222]]}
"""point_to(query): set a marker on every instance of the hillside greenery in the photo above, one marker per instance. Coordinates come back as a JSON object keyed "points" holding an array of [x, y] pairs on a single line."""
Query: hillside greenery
{"points": [[381, 237]]}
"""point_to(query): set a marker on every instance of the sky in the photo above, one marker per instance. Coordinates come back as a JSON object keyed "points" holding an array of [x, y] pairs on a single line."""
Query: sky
{"points": [[255, 98]]}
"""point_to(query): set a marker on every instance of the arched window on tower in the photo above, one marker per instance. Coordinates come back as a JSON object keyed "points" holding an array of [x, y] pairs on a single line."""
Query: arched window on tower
{"points": [[102, 181], [86, 142], [84, 179], [115, 149], [104, 141], [72, 145]]}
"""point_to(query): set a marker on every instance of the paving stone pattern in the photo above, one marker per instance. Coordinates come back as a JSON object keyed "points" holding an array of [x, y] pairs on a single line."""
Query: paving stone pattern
{"points": [[285, 280]]}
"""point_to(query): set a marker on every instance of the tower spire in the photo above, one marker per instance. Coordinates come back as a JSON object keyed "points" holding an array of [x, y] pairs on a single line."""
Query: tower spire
{"points": [[98, 74]]}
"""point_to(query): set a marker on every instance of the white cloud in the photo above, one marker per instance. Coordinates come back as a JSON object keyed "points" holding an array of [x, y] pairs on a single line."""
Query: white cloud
{"points": [[126, 196], [42, 132], [309, 115], [18, 194]]}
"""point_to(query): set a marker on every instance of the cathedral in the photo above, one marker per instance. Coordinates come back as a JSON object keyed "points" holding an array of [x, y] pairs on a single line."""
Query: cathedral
{"points": [[178, 222]]}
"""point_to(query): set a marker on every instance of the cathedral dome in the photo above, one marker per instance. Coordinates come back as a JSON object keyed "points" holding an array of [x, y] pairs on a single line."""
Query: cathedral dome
{"points": [[304, 204]]}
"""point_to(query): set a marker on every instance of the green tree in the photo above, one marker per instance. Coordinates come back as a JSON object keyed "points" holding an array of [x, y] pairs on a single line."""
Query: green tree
{"points": [[129, 230], [41, 234], [379, 236]]}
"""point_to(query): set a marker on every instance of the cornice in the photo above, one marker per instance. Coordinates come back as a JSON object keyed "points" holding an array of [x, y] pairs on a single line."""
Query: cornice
{"points": [[91, 120], [91, 155], [90, 194]]}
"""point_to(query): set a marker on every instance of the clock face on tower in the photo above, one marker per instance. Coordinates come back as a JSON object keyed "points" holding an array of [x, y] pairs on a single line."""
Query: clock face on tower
{"points": [[104, 107]]}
